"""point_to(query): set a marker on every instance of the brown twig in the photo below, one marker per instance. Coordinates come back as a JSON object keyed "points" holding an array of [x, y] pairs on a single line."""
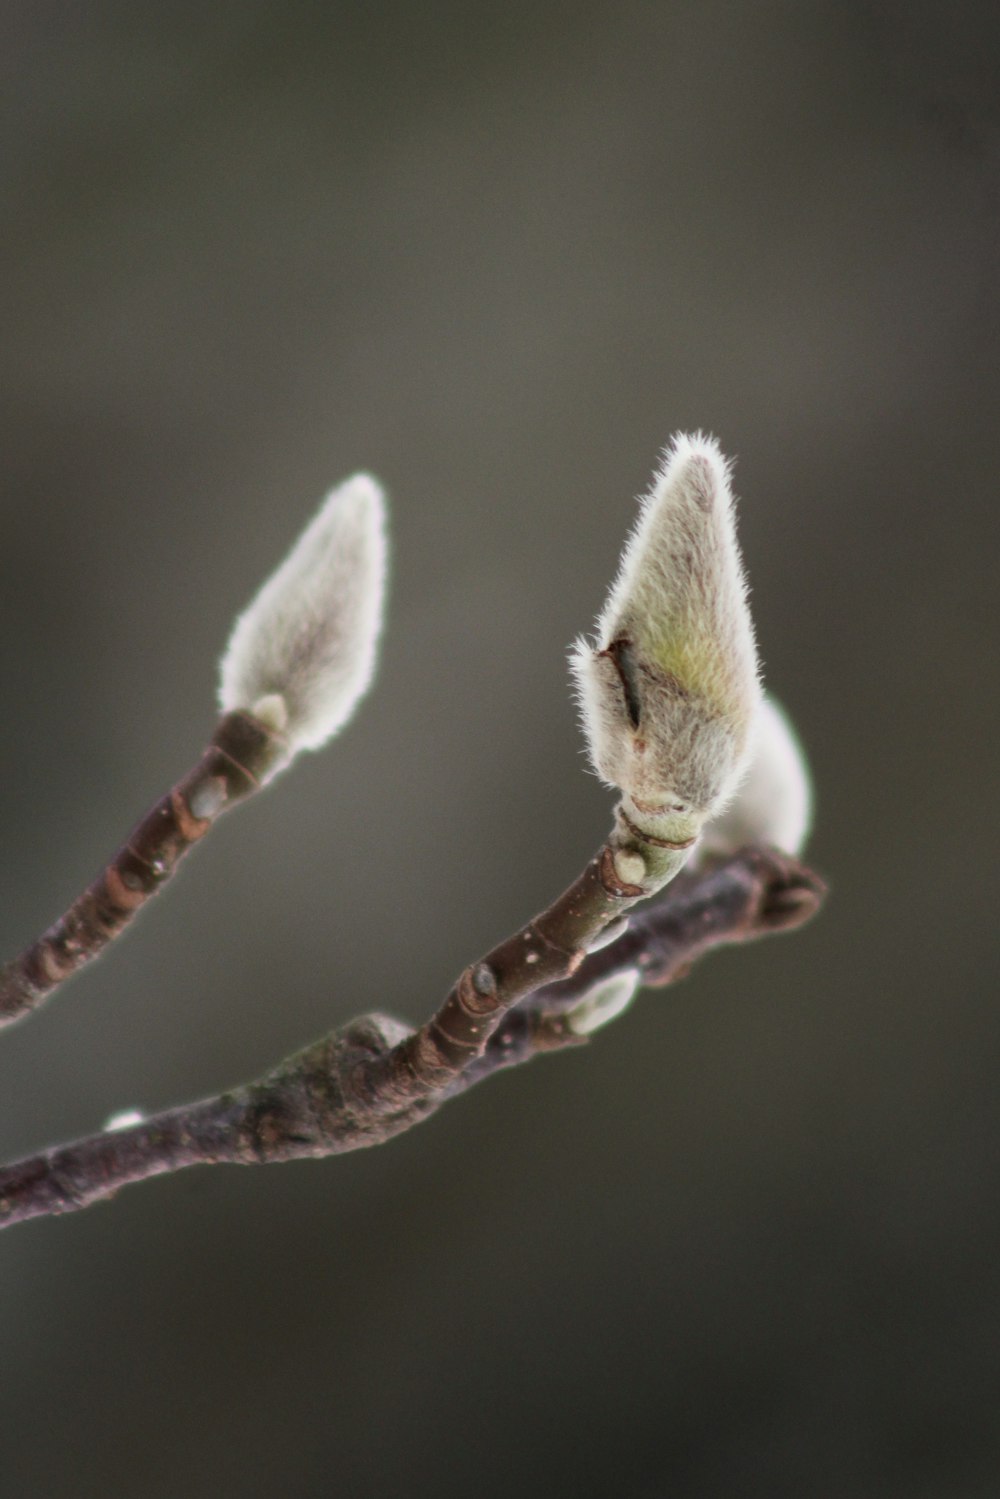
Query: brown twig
{"points": [[239, 757], [375, 1078]]}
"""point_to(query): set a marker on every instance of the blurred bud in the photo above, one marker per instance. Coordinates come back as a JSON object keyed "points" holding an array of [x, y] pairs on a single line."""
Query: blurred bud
{"points": [[124, 1119], [774, 802], [303, 653], [669, 690], [605, 1002]]}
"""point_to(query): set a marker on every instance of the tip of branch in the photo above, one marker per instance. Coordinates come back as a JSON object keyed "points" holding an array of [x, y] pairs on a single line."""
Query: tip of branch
{"points": [[788, 893]]}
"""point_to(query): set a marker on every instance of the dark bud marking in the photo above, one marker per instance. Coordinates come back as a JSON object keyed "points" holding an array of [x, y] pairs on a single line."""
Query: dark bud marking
{"points": [[621, 654]]}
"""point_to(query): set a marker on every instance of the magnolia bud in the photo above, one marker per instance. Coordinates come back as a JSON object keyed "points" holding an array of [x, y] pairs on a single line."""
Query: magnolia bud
{"points": [[774, 802], [608, 999], [669, 690], [303, 654]]}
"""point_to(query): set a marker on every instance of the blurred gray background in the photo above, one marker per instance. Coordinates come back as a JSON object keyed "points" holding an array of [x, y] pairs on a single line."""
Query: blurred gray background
{"points": [[747, 1240]]}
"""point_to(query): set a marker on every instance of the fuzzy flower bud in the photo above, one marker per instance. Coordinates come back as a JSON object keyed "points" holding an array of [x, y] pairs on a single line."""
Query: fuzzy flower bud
{"points": [[774, 802], [669, 690], [302, 654]]}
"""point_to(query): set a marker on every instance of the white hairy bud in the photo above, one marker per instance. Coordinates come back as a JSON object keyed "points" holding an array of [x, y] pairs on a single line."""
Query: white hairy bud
{"points": [[303, 654], [774, 802], [605, 1002], [669, 690]]}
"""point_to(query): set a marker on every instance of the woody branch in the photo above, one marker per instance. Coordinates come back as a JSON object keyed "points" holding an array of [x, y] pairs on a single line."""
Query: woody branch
{"points": [[242, 752], [365, 1083]]}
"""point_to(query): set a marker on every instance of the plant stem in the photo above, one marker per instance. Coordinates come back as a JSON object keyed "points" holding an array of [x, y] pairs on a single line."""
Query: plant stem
{"points": [[375, 1078], [240, 756]]}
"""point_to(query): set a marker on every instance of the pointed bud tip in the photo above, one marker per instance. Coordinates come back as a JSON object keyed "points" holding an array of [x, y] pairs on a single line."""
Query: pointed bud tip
{"points": [[695, 461], [309, 637], [360, 492]]}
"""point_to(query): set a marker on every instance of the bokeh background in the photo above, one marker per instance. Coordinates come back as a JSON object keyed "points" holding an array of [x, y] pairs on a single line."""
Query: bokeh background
{"points": [[747, 1240]]}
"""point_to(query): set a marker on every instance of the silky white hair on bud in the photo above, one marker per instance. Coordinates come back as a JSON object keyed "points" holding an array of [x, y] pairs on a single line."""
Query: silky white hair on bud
{"points": [[669, 689], [774, 801], [302, 654]]}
